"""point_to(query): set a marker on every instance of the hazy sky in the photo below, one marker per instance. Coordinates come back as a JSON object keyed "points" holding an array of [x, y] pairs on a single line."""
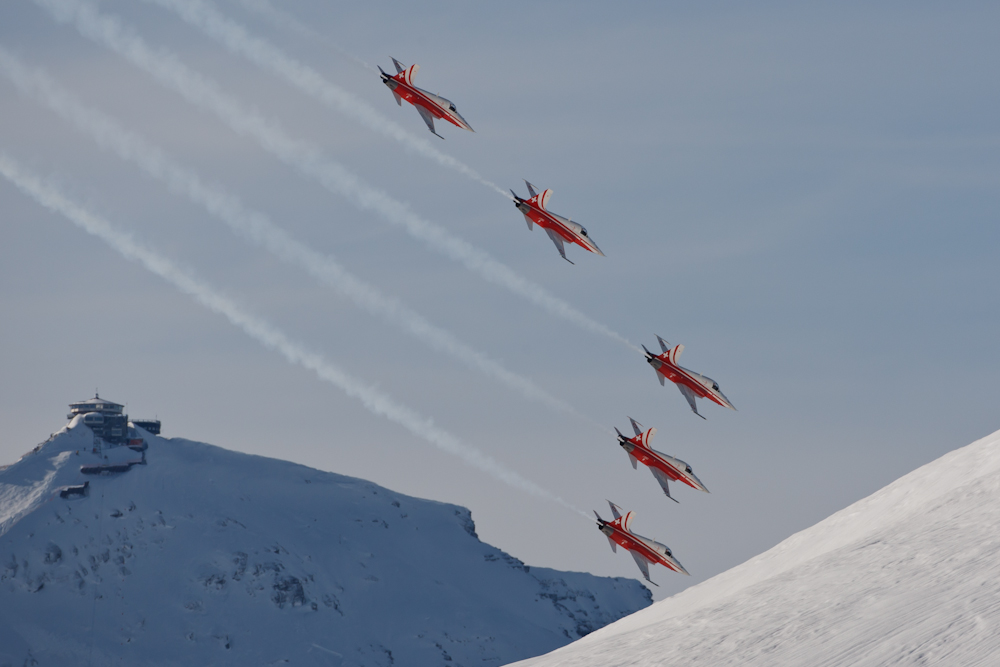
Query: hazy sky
{"points": [[807, 198]]}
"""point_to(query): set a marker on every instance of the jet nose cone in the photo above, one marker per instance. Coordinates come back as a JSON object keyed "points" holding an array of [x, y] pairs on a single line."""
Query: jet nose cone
{"points": [[677, 566]]}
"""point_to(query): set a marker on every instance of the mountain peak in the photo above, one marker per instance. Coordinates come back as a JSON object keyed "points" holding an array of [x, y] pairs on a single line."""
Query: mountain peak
{"points": [[207, 555]]}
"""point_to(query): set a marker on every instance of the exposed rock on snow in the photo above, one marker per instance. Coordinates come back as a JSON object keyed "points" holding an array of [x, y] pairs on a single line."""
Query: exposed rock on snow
{"points": [[908, 576], [206, 556]]}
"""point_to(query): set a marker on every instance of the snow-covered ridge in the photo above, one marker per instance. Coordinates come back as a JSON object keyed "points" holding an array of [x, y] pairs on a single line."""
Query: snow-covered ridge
{"points": [[206, 556], [909, 575]]}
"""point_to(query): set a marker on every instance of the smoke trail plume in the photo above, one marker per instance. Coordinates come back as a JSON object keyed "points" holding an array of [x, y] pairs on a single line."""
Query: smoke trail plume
{"points": [[199, 90], [205, 17], [257, 228], [375, 401], [280, 19]]}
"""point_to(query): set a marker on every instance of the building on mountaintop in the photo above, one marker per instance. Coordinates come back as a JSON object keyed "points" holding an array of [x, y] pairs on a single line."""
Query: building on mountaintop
{"points": [[109, 422], [105, 418]]}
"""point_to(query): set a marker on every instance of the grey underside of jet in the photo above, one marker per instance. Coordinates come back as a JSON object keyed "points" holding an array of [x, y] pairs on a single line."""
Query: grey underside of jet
{"points": [[691, 398], [664, 481], [558, 241], [643, 566], [428, 118]]}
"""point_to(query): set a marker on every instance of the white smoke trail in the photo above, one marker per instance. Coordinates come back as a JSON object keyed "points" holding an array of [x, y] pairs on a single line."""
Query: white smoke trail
{"points": [[256, 227], [236, 38], [199, 90], [280, 19], [375, 401]]}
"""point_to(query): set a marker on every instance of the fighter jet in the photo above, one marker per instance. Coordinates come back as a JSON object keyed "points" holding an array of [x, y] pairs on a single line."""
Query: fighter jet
{"points": [[692, 385], [664, 468], [557, 227], [428, 105], [643, 549]]}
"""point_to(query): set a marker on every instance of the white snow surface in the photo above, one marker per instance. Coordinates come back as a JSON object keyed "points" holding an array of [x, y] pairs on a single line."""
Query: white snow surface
{"points": [[908, 576], [210, 557]]}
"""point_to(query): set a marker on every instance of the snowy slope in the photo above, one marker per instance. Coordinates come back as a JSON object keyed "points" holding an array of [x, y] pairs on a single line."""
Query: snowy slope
{"points": [[206, 556], [908, 576]]}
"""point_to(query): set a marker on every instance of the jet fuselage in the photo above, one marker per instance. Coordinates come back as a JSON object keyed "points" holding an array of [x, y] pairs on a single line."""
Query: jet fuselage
{"points": [[675, 469], [570, 231], [436, 105], [701, 385], [650, 549]]}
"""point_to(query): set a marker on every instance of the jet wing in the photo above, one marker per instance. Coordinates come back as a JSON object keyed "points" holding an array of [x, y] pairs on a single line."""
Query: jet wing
{"points": [[643, 566], [399, 100], [689, 395], [531, 225], [559, 243], [664, 481], [428, 118]]}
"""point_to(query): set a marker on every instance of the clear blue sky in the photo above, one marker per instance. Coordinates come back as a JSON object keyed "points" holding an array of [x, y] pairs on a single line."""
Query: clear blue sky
{"points": [[806, 197]]}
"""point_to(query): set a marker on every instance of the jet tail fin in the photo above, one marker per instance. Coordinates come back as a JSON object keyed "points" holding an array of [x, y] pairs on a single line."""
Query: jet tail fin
{"points": [[675, 354], [531, 189], [664, 345], [543, 200], [615, 510], [399, 66], [636, 426]]}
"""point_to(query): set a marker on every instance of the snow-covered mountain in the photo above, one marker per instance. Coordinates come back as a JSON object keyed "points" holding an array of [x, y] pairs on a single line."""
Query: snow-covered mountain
{"points": [[908, 576], [207, 556]]}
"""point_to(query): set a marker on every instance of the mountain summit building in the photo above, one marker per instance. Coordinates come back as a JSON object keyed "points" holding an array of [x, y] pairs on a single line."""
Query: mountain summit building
{"points": [[105, 418], [109, 422]]}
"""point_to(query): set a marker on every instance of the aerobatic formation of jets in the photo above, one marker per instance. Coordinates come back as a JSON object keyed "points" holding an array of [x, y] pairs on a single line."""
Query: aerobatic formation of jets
{"points": [[665, 468]]}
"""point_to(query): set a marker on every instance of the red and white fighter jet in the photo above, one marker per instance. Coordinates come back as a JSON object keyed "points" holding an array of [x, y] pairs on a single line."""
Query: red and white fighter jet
{"points": [[428, 105], [643, 549], [557, 227], [692, 385], [665, 468]]}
